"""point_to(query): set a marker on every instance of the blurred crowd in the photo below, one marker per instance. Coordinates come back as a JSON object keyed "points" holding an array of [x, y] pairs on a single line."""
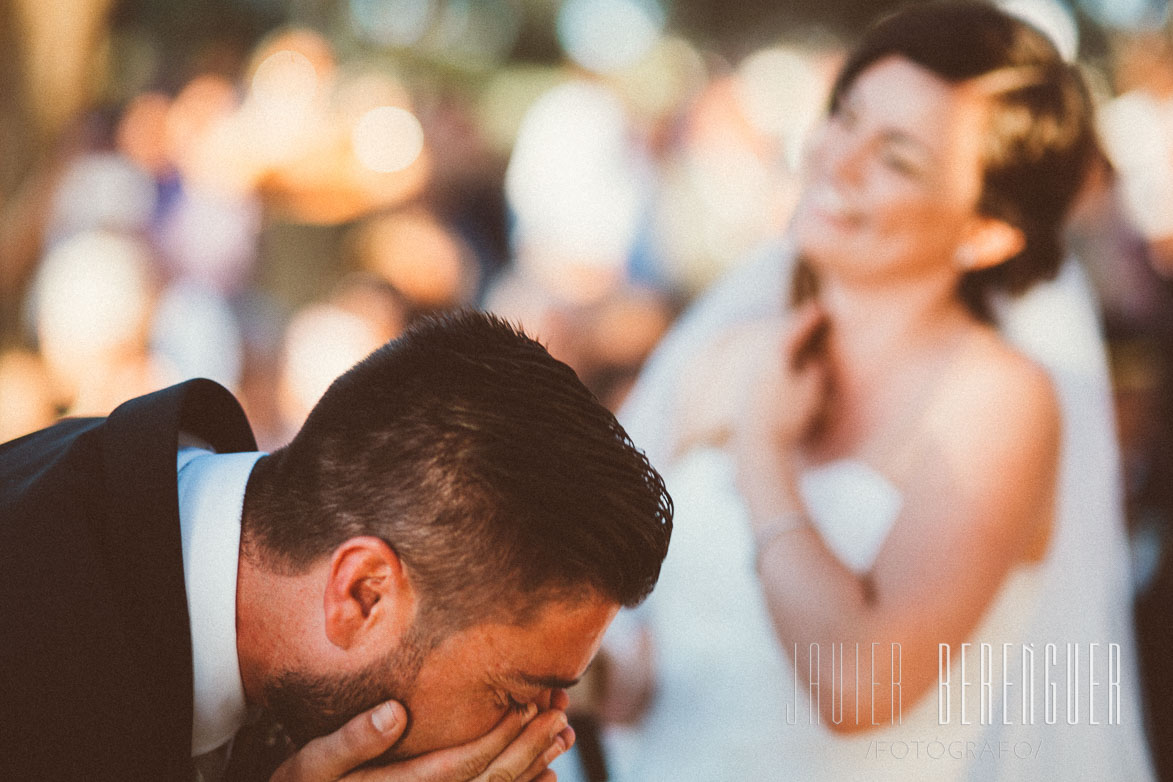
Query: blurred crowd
{"points": [[269, 222], [268, 229]]}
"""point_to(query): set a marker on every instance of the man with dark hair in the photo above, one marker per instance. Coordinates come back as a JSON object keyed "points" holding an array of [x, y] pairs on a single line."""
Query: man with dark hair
{"points": [[438, 551]]}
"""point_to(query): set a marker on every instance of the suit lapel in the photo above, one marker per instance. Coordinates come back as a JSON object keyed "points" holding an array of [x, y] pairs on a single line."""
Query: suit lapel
{"points": [[142, 540]]}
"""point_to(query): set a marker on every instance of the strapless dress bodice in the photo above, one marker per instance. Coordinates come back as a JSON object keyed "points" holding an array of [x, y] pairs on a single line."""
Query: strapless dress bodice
{"points": [[729, 705], [853, 506]]}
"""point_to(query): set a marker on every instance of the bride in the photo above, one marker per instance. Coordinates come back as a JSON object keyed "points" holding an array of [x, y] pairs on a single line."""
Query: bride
{"points": [[899, 551]]}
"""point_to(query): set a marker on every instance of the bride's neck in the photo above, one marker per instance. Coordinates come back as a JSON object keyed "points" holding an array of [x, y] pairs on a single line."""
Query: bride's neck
{"points": [[880, 326]]}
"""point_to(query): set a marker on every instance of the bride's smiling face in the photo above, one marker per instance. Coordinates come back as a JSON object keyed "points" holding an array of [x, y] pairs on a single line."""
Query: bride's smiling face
{"points": [[893, 175]]}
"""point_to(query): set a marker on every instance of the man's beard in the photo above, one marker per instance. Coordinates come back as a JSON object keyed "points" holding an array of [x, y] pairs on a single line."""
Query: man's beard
{"points": [[308, 705]]}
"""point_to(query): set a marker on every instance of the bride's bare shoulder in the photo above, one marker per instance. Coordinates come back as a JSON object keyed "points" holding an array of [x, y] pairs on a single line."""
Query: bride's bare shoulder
{"points": [[996, 394]]}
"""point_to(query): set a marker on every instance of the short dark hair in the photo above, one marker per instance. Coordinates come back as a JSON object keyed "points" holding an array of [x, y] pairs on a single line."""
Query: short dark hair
{"points": [[494, 474], [1040, 140]]}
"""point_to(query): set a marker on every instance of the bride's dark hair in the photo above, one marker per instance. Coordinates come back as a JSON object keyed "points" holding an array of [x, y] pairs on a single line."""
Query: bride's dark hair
{"points": [[1040, 140]]}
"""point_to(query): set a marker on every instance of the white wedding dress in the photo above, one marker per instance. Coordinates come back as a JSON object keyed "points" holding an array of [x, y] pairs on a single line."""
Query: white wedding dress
{"points": [[728, 706]]}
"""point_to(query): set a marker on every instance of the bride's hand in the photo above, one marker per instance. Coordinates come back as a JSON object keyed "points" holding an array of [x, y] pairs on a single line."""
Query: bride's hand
{"points": [[779, 409], [787, 396]]}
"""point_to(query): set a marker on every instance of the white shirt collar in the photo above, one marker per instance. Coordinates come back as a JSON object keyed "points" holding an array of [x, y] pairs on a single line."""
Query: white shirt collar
{"points": [[211, 498]]}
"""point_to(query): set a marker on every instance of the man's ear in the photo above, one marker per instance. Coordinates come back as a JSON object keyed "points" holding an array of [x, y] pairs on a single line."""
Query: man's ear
{"points": [[989, 242], [367, 593]]}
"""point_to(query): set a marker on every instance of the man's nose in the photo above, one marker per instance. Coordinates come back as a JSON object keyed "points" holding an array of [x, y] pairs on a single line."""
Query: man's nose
{"points": [[555, 698]]}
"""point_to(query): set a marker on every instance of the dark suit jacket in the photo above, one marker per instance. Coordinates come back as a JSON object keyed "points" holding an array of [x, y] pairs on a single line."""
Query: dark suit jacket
{"points": [[95, 647]]}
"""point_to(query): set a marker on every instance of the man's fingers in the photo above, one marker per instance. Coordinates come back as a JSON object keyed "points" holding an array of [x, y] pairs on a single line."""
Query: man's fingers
{"points": [[537, 770], [467, 761], [365, 737], [544, 739]]}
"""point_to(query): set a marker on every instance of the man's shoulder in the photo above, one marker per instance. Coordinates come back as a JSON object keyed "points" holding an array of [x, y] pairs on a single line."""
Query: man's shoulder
{"points": [[44, 443], [93, 585], [66, 454], [200, 407]]}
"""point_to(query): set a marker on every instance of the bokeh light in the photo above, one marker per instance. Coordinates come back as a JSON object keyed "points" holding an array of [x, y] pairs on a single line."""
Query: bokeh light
{"points": [[93, 294], [30, 401], [1128, 14], [281, 103], [195, 332], [387, 139], [285, 79], [577, 185], [322, 342], [1138, 139], [142, 133], [782, 94], [655, 86], [420, 258], [101, 191], [92, 303], [475, 34], [208, 237], [606, 35], [391, 22]]}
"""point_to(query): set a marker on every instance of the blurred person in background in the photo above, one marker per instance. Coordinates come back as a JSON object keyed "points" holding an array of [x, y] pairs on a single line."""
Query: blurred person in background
{"points": [[28, 394], [324, 339], [1137, 128], [917, 453], [579, 186], [93, 298], [730, 178], [422, 259], [452, 529], [606, 340]]}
